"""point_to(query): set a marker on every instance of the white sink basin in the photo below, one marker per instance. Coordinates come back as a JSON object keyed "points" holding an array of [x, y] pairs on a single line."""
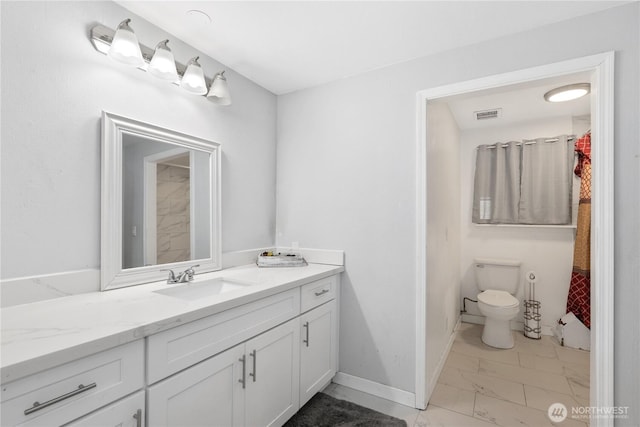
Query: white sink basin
{"points": [[203, 288]]}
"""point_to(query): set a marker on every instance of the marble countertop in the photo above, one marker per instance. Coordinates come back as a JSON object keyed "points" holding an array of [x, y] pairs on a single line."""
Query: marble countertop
{"points": [[45, 334]]}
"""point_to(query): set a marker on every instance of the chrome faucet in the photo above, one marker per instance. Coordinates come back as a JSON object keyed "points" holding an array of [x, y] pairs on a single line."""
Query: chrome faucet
{"points": [[183, 277]]}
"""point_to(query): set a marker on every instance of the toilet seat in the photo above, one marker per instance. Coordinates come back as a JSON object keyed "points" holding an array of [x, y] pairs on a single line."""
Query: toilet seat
{"points": [[498, 299]]}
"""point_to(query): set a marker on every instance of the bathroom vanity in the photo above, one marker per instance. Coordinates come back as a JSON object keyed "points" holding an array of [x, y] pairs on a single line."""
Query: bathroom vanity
{"points": [[242, 346]]}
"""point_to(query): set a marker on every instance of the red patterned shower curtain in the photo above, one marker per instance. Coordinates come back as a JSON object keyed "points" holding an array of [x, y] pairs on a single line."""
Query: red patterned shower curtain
{"points": [[579, 299]]}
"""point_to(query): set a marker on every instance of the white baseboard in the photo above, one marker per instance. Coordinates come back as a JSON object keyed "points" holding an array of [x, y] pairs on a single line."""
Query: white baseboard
{"points": [[515, 325], [376, 389], [24, 290], [431, 385]]}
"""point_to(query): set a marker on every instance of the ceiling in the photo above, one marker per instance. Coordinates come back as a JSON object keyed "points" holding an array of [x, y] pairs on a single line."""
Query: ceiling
{"points": [[286, 46], [519, 103]]}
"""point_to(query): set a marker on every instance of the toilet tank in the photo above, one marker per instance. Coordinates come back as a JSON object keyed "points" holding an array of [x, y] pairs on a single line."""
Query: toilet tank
{"points": [[497, 274]]}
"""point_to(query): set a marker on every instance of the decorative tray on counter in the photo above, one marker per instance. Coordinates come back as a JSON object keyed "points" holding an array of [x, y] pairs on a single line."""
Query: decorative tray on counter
{"points": [[277, 259]]}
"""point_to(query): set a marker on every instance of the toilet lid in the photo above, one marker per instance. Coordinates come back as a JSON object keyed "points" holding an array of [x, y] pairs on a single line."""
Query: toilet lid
{"points": [[498, 298]]}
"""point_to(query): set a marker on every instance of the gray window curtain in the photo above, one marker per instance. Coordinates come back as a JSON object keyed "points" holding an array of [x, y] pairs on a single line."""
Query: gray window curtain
{"points": [[497, 184], [546, 181], [526, 182]]}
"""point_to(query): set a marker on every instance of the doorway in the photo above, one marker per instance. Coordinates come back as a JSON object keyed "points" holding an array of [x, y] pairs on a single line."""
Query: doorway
{"points": [[600, 68], [167, 203]]}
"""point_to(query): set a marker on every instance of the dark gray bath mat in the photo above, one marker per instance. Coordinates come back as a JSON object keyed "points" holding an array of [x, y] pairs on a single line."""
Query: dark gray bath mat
{"points": [[325, 411]]}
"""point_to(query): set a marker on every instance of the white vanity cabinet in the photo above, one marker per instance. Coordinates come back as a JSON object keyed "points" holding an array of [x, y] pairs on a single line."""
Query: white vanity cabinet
{"points": [[207, 394], [272, 381], [67, 392], [318, 336], [178, 348], [318, 351], [253, 365], [252, 384]]}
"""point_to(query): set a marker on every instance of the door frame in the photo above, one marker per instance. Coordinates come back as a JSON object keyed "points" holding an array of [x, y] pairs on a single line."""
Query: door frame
{"points": [[602, 218]]}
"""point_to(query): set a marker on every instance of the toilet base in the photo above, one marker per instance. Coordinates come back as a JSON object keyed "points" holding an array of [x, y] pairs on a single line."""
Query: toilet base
{"points": [[497, 333]]}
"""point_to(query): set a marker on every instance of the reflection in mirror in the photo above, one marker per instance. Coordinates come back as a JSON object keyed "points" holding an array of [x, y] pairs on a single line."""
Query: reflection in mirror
{"points": [[165, 203], [161, 198]]}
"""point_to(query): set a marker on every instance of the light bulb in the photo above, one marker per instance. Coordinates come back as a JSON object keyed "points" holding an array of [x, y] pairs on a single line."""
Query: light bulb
{"points": [[193, 78], [163, 65], [124, 47], [219, 92]]}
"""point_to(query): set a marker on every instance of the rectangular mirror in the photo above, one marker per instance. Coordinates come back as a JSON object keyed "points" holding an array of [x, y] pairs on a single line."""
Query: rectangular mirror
{"points": [[160, 202]]}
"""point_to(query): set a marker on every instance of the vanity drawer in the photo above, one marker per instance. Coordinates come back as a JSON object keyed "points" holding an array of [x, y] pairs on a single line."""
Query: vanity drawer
{"points": [[315, 293], [128, 412], [178, 348], [69, 391]]}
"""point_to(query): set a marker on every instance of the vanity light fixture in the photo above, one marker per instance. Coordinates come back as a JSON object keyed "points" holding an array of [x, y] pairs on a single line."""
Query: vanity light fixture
{"points": [[123, 45], [219, 92], [163, 65], [193, 78], [568, 92]]}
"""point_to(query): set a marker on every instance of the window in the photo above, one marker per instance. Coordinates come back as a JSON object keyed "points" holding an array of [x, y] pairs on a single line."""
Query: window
{"points": [[526, 182]]}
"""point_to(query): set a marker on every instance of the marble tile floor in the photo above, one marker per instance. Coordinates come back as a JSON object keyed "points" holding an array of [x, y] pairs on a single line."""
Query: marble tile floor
{"points": [[482, 386]]}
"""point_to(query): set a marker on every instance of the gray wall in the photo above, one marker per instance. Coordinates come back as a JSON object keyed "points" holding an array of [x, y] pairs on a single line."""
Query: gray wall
{"points": [[443, 231], [54, 87], [346, 179]]}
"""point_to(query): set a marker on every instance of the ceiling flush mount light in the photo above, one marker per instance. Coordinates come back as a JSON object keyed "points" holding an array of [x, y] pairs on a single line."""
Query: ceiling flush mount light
{"points": [[219, 92], [568, 93], [193, 79], [163, 65], [124, 47]]}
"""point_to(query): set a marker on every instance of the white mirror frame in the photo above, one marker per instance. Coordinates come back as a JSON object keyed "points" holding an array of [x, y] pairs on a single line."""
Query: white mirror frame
{"points": [[112, 275]]}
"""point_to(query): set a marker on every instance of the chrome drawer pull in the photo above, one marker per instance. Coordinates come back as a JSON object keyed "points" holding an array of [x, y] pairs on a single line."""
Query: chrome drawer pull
{"points": [[37, 405], [243, 381], [322, 292], [306, 326], [138, 417], [253, 374]]}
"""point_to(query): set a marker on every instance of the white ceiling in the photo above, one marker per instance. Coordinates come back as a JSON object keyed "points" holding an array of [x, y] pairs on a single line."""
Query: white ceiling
{"points": [[519, 103], [290, 45]]}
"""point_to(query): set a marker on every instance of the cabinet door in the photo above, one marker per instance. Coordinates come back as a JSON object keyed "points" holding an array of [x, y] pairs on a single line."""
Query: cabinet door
{"points": [[128, 412], [273, 363], [318, 351], [207, 394]]}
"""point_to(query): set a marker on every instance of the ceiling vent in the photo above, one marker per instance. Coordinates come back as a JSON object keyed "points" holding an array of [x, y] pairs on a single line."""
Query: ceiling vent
{"points": [[488, 114]]}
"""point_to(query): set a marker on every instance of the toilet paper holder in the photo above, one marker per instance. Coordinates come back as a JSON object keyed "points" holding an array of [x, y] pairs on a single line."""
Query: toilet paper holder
{"points": [[532, 314]]}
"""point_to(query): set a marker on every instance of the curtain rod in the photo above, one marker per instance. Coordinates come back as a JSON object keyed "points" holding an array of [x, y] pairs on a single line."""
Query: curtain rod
{"points": [[526, 142]]}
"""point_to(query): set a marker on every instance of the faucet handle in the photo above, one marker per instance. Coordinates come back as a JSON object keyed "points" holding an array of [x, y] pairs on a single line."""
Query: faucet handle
{"points": [[172, 276], [190, 271]]}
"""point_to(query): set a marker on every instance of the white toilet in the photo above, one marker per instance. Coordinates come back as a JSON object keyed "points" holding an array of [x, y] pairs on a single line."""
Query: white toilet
{"points": [[499, 281]]}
